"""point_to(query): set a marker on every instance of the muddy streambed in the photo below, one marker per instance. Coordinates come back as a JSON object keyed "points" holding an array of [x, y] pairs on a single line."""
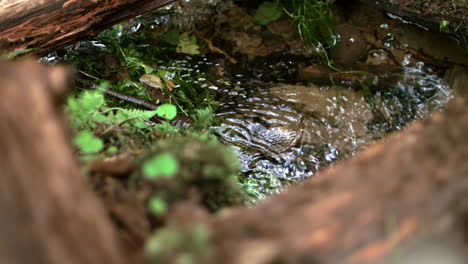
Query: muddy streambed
{"points": [[284, 113]]}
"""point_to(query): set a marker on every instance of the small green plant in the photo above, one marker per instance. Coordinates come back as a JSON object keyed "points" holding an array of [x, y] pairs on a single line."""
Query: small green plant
{"points": [[203, 119], [83, 110], [161, 165], [88, 143], [314, 20], [165, 129], [157, 206], [180, 166], [87, 112], [136, 59], [315, 24], [179, 156], [444, 26]]}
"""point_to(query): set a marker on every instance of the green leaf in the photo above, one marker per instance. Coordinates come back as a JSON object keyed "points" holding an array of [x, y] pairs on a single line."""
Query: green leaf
{"points": [[444, 26], [165, 74], [268, 12], [167, 111], [83, 110], [85, 104], [92, 100], [157, 206], [166, 129], [88, 143], [162, 165], [123, 115], [103, 86], [112, 150], [99, 117], [204, 118]]}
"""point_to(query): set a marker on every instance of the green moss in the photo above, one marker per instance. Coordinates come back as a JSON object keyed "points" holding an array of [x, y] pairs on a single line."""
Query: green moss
{"points": [[205, 166], [182, 245]]}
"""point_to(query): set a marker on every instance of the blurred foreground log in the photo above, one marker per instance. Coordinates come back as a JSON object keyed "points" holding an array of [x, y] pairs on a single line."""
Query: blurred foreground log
{"points": [[51, 24], [49, 215], [403, 200]]}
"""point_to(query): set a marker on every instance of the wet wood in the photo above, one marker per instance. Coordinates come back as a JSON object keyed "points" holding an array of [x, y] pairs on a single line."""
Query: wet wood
{"points": [[48, 212], [403, 199], [50, 24], [422, 16]]}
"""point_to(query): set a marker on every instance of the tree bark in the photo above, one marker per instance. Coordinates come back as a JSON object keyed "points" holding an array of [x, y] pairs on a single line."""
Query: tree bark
{"points": [[51, 24], [49, 215]]}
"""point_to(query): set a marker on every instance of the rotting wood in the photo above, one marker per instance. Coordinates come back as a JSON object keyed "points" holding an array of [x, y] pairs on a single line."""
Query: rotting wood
{"points": [[49, 215], [50, 24]]}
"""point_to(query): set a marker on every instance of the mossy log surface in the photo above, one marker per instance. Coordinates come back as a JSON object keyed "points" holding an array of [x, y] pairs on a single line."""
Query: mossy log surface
{"points": [[51, 24]]}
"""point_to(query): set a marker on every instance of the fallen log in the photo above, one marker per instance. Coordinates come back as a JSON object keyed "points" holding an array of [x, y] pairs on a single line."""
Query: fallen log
{"points": [[49, 215], [48, 25]]}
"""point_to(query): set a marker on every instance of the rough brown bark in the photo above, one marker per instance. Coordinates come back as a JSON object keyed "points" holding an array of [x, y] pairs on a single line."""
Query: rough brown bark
{"points": [[397, 202], [48, 213], [50, 24]]}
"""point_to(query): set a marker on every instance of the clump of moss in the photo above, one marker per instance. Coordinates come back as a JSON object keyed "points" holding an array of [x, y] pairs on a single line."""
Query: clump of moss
{"points": [[180, 244], [198, 168]]}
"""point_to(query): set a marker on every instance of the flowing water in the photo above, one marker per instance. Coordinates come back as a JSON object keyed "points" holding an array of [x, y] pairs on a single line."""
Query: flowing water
{"points": [[290, 131], [285, 130]]}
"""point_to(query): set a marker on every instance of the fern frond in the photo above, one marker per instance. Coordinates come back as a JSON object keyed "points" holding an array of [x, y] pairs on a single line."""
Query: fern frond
{"points": [[128, 114], [203, 118]]}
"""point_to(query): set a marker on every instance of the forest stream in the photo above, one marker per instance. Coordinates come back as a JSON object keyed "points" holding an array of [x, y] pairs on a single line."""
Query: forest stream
{"points": [[288, 108], [281, 123], [284, 112]]}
